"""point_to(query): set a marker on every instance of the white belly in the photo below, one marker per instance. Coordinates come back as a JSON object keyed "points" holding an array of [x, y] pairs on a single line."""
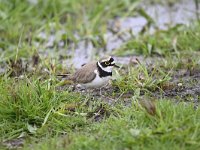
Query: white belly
{"points": [[97, 82]]}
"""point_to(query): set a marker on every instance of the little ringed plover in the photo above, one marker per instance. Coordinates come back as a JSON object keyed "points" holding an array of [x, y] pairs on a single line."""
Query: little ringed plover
{"points": [[95, 74]]}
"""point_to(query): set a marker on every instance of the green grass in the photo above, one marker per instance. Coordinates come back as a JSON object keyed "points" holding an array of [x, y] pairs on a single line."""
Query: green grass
{"points": [[130, 127], [37, 107], [163, 43], [22, 21], [50, 118]]}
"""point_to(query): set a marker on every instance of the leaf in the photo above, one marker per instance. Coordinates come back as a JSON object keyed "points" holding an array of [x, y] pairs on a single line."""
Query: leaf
{"points": [[46, 117], [149, 106], [143, 13], [32, 128], [135, 132]]}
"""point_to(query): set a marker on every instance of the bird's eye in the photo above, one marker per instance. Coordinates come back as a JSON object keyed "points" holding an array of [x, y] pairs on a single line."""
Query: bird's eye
{"points": [[107, 63]]}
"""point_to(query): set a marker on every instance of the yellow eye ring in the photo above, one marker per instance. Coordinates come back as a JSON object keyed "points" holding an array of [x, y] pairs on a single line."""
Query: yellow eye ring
{"points": [[107, 63]]}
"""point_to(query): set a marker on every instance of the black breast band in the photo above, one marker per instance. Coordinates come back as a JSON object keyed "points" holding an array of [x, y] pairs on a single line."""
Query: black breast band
{"points": [[103, 73]]}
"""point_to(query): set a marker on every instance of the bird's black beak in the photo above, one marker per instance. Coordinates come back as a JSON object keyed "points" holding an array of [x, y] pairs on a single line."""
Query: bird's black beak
{"points": [[116, 66]]}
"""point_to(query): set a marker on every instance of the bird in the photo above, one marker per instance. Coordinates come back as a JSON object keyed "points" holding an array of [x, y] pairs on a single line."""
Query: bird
{"points": [[95, 74]]}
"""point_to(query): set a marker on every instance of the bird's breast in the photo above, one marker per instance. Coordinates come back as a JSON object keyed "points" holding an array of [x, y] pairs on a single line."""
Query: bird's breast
{"points": [[98, 81]]}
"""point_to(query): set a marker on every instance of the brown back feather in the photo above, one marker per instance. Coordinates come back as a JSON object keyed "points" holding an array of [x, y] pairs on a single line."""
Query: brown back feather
{"points": [[85, 74]]}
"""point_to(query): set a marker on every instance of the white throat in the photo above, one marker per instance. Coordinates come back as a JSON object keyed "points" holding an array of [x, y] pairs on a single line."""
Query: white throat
{"points": [[107, 69]]}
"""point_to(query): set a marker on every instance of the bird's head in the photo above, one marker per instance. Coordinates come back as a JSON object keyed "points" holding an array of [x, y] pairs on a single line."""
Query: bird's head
{"points": [[107, 63]]}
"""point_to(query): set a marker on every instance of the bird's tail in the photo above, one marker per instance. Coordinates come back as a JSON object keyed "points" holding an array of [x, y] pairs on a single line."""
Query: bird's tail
{"points": [[66, 76], [63, 75], [67, 79]]}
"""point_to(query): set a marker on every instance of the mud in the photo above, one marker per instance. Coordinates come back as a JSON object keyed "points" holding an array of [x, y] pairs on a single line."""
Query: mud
{"points": [[186, 88], [14, 143]]}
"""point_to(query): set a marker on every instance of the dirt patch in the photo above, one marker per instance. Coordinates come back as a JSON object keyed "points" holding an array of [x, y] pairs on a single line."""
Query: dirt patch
{"points": [[183, 86], [14, 143], [186, 87]]}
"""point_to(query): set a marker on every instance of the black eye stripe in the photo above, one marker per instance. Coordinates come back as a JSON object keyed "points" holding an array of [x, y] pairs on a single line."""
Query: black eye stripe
{"points": [[107, 63], [103, 64]]}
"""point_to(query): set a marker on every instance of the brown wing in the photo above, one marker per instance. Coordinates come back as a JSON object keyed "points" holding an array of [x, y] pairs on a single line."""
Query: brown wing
{"points": [[85, 74]]}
